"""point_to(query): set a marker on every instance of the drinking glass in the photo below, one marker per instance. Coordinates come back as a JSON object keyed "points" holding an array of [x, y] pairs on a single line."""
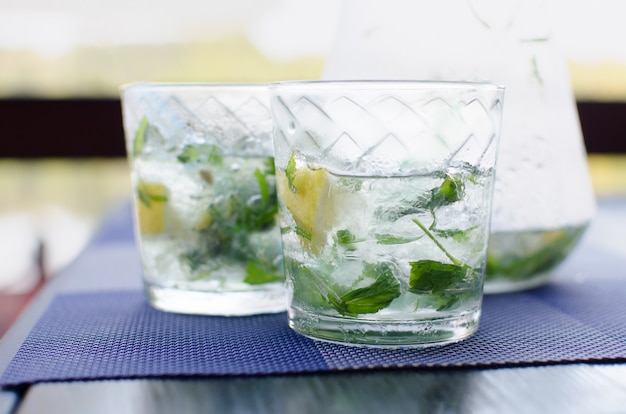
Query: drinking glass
{"points": [[385, 192], [202, 172]]}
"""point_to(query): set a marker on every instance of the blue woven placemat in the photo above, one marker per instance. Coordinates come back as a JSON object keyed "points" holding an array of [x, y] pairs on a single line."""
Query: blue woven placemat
{"points": [[118, 335]]}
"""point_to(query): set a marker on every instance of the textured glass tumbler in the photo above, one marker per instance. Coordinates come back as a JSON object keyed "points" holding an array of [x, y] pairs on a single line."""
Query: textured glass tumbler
{"points": [[202, 171], [385, 192]]}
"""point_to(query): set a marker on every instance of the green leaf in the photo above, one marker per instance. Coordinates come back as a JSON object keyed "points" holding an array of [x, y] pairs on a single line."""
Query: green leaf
{"points": [[193, 259], [350, 184], [147, 198], [140, 137], [194, 153], [270, 167], [455, 234], [248, 218], [308, 286], [346, 239], [314, 289], [263, 187], [144, 197], [215, 156], [290, 171], [436, 277], [303, 233], [446, 302], [391, 239], [372, 298], [404, 208], [257, 275], [235, 218], [450, 191], [520, 267], [159, 198]]}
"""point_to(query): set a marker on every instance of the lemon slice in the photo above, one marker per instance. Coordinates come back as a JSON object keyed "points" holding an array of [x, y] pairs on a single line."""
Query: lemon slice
{"points": [[204, 221], [303, 198], [152, 198]]}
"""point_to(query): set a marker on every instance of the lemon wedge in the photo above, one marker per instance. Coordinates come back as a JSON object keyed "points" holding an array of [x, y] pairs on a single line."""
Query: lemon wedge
{"points": [[204, 222], [303, 197], [152, 198]]}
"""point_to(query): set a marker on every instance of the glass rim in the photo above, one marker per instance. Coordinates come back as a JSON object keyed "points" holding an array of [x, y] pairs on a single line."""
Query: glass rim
{"points": [[193, 85], [383, 84]]}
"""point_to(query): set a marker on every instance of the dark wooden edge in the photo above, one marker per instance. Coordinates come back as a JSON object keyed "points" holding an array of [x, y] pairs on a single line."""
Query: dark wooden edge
{"points": [[39, 128], [34, 128], [604, 126]]}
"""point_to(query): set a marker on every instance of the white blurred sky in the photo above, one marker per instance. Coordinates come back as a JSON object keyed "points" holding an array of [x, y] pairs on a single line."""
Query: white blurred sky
{"points": [[590, 30]]}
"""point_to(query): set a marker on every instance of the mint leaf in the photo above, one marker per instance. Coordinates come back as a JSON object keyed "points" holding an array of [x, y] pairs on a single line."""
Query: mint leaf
{"points": [[552, 249], [455, 234], [270, 167], [346, 239], [147, 198], [372, 298], [446, 302], [263, 187], [450, 191], [404, 208], [140, 137], [391, 239], [144, 197], [234, 218], [310, 287], [290, 171], [257, 275], [201, 153], [303, 233], [350, 184], [193, 260], [250, 217], [429, 276]]}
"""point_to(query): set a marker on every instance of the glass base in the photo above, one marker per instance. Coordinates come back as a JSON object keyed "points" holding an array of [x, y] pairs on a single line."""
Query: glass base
{"points": [[506, 285], [238, 303], [385, 333]]}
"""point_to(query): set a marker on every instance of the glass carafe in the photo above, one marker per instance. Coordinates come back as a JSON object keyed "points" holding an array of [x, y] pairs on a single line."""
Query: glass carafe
{"points": [[543, 198]]}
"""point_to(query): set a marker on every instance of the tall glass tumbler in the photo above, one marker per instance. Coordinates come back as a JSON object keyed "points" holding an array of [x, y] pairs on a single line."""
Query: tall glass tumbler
{"points": [[385, 192], [202, 169]]}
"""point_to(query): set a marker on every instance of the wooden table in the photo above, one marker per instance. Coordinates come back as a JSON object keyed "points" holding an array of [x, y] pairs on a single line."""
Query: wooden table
{"points": [[568, 388]]}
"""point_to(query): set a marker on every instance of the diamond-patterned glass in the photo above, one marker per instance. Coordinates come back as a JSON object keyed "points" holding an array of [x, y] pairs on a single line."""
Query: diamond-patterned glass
{"points": [[362, 129]]}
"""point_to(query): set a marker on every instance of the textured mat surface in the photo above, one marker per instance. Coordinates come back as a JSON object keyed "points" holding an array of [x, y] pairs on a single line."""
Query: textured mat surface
{"points": [[118, 335]]}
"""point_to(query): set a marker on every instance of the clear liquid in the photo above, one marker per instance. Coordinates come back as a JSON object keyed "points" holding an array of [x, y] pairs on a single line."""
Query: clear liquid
{"points": [[208, 236], [523, 259], [353, 277]]}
